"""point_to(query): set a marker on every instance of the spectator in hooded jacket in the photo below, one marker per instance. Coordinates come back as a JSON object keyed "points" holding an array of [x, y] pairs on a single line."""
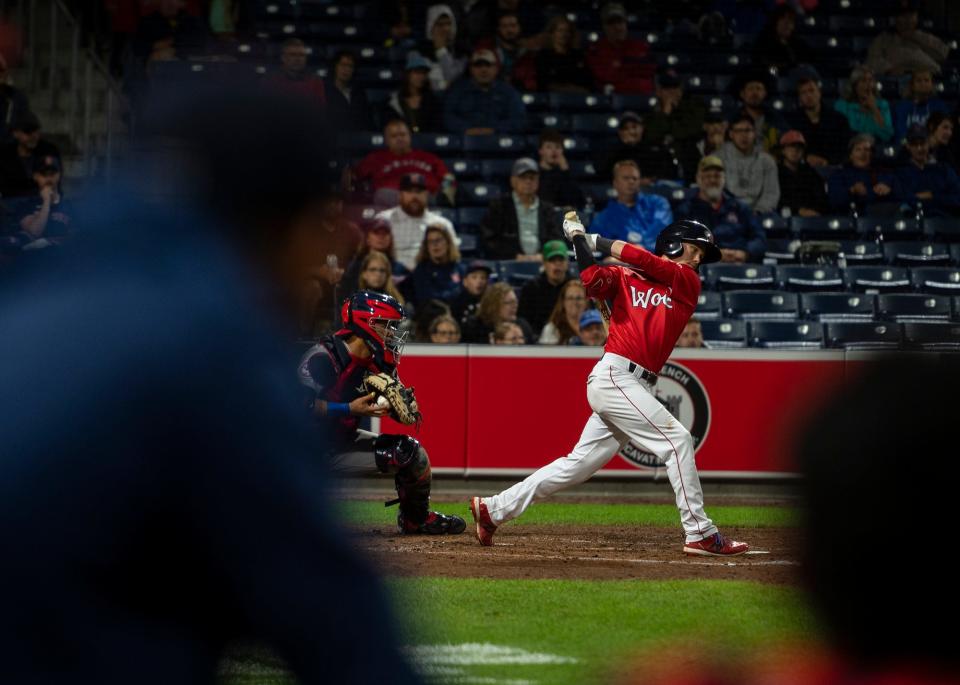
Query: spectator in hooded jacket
{"points": [[918, 105], [865, 110], [738, 231], [482, 104], [921, 181], [859, 183], [751, 173], [802, 189], [617, 60], [440, 48]]}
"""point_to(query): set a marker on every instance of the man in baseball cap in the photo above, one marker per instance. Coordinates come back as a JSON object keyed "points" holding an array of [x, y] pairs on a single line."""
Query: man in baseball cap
{"points": [[801, 187], [19, 158], [933, 185], [592, 331], [483, 104], [655, 161], [472, 287]]}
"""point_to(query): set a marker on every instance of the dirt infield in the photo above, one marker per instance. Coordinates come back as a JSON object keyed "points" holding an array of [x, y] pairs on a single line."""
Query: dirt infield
{"points": [[581, 552]]}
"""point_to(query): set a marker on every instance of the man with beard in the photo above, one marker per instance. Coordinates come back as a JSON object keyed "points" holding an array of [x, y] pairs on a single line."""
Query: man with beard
{"points": [[409, 220], [738, 232]]}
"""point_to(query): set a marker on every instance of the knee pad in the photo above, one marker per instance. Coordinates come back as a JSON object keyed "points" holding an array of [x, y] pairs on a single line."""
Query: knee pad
{"points": [[395, 452]]}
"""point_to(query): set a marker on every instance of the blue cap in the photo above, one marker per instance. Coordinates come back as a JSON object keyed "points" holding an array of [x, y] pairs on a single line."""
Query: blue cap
{"points": [[590, 317], [416, 61]]}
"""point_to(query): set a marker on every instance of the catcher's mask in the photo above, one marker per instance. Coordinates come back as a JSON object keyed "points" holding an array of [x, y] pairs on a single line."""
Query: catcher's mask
{"points": [[671, 239], [376, 318]]}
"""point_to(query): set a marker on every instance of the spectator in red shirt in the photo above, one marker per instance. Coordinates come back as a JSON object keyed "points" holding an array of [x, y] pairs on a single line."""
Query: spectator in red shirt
{"points": [[617, 60], [293, 76], [382, 170]]}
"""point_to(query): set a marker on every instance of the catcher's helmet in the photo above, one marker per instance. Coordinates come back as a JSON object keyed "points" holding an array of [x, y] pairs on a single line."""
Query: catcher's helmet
{"points": [[671, 239], [376, 318]]}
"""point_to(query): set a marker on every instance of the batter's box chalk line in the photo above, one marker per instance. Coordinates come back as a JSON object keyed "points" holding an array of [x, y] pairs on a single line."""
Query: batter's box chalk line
{"points": [[479, 654]]}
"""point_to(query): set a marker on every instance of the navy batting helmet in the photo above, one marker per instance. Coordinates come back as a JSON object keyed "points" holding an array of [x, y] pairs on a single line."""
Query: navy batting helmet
{"points": [[671, 239]]}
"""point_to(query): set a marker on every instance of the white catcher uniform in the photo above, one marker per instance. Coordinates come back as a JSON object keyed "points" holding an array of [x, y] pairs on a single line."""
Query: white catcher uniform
{"points": [[652, 301]]}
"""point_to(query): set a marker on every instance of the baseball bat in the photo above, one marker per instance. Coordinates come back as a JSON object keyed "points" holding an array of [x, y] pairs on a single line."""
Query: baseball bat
{"points": [[601, 304]]}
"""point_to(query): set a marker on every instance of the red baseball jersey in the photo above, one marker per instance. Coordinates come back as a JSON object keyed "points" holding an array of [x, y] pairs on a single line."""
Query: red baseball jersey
{"points": [[651, 304], [385, 169]]}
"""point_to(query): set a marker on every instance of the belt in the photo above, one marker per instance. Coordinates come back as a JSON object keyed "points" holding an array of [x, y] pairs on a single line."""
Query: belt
{"points": [[641, 373]]}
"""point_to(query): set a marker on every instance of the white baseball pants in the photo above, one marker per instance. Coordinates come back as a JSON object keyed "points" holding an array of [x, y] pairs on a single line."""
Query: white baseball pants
{"points": [[624, 408]]}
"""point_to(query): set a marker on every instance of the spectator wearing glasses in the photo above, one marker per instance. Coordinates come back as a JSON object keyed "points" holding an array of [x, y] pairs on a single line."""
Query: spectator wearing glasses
{"points": [[498, 305], [482, 104], [444, 330], [751, 173], [375, 275], [564, 321], [618, 62], [438, 274]]}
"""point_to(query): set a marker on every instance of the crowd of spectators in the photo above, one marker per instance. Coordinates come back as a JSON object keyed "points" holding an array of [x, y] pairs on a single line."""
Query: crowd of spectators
{"points": [[730, 160]]}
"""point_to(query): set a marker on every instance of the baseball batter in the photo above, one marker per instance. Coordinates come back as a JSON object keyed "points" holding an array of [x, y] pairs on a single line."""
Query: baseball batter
{"points": [[652, 300]]}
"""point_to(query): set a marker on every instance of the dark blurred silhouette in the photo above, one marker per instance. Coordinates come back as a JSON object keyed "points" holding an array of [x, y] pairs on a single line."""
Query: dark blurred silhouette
{"points": [[160, 496]]}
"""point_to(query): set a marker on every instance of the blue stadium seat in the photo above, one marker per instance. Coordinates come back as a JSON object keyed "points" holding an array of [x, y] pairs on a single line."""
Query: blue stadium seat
{"points": [[724, 333], [956, 308], [760, 304], [470, 218], [886, 279], [449, 213], [828, 307], [786, 334], [476, 193], [468, 244], [846, 25], [632, 103], [463, 169], [438, 143], [537, 121], [781, 250], [916, 253], [892, 228], [946, 229], [955, 253], [709, 305], [342, 11], [944, 280], [367, 55], [598, 125], [579, 102], [573, 146], [863, 335], [517, 273], [583, 170], [600, 192], [860, 252], [932, 336], [822, 227], [722, 276], [803, 278], [511, 145], [904, 307], [496, 170], [359, 142], [775, 226], [536, 102], [373, 76]]}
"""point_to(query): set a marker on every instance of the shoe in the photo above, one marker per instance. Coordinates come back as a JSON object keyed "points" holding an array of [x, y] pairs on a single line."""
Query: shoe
{"points": [[715, 546], [485, 525], [435, 524]]}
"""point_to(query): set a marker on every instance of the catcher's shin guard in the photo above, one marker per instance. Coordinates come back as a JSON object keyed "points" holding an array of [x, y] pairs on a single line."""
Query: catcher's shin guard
{"points": [[394, 453], [413, 488]]}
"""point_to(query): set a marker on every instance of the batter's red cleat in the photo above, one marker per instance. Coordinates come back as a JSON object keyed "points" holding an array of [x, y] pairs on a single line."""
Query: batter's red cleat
{"points": [[715, 546], [485, 525]]}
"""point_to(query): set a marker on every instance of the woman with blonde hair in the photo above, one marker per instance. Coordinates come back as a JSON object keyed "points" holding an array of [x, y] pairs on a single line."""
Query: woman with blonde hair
{"points": [[438, 274], [498, 304], [564, 321], [375, 274]]}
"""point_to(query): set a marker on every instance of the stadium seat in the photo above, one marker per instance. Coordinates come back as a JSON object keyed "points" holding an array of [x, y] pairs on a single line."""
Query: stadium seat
{"points": [[877, 278], [781, 251], [476, 193], [537, 121], [517, 273], [786, 334], [932, 336], [892, 228], [760, 304], [451, 214], [509, 145], [496, 170], [944, 280], [438, 143], [470, 218], [579, 102], [830, 307], [863, 335], [822, 227], [775, 226], [724, 333], [904, 307], [916, 253], [709, 305], [846, 25], [377, 75], [633, 103], [595, 124], [946, 229], [536, 102], [468, 245], [583, 170], [803, 278], [359, 143], [861, 252], [955, 253], [463, 169], [722, 276]]}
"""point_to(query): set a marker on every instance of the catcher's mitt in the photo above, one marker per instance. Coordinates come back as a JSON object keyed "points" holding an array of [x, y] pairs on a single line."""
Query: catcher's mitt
{"points": [[403, 402]]}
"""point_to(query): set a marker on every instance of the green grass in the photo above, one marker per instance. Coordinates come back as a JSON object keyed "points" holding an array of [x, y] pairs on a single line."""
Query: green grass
{"points": [[368, 513], [597, 623]]}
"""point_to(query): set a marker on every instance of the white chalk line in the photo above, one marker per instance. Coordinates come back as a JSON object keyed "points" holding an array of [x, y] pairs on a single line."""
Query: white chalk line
{"points": [[445, 662], [678, 562]]}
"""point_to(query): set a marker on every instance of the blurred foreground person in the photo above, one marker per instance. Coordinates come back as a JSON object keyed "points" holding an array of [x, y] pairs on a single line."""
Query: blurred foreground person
{"points": [[159, 492]]}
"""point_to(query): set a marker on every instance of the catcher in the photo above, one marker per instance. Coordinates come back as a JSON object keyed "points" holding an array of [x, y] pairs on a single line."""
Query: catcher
{"points": [[353, 373]]}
